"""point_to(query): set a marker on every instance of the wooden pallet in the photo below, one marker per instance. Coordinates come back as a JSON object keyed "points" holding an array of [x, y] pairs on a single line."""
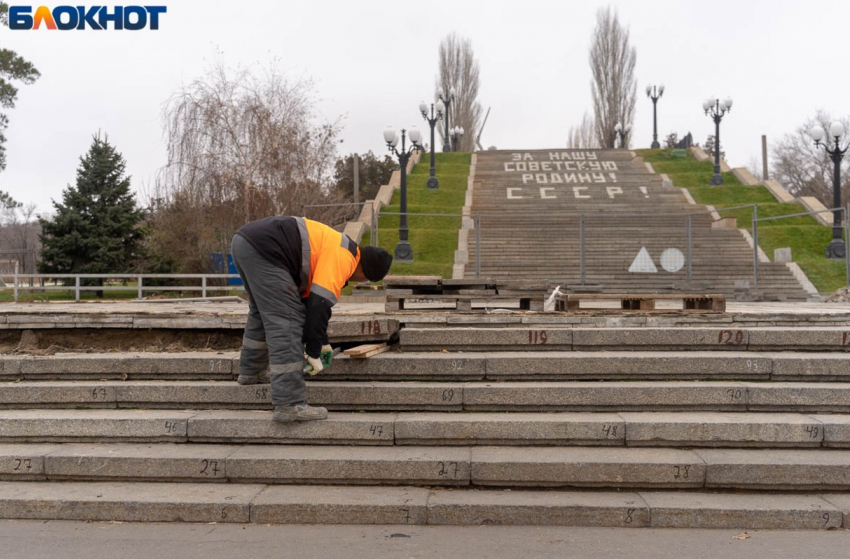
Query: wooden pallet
{"points": [[644, 301], [462, 302]]}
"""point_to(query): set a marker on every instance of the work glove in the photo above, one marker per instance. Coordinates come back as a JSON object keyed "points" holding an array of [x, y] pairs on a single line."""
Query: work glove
{"points": [[313, 365], [326, 356]]}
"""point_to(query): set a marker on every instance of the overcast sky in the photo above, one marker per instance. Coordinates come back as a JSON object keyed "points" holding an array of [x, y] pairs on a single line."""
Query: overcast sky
{"points": [[372, 62]]}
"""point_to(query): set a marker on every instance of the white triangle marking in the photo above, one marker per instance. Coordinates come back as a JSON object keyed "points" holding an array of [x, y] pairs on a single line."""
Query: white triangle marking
{"points": [[643, 263]]}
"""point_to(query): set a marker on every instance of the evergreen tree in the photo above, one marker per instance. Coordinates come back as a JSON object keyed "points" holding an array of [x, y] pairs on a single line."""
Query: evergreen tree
{"points": [[95, 229]]}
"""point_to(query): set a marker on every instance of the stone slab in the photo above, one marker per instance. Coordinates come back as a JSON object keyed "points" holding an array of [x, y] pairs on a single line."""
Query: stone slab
{"points": [[128, 366], [512, 429], [706, 429], [799, 396], [811, 367], [648, 365], [472, 508], [809, 339], [93, 425], [836, 429], [23, 462], [354, 465], [258, 427], [57, 394], [587, 467], [787, 469], [386, 395], [716, 339], [129, 462], [741, 512], [399, 366], [340, 396], [127, 502], [484, 339], [605, 396], [842, 502], [198, 394], [10, 367], [340, 505], [367, 328]]}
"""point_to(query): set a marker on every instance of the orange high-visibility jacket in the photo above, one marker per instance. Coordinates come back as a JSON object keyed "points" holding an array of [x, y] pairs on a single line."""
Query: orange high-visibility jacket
{"points": [[319, 259]]}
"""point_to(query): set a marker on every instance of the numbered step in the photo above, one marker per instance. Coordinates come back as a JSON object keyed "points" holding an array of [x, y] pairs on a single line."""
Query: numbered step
{"points": [[486, 339], [94, 425], [410, 366], [511, 429], [139, 462], [23, 461], [802, 339], [661, 339], [415, 396]]}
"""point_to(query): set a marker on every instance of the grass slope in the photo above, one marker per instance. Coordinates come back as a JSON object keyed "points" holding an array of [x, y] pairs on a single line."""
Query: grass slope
{"points": [[434, 239], [804, 235]]}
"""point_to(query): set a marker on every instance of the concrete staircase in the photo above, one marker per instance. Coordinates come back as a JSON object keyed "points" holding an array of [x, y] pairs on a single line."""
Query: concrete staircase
{"points": [[715, 425], [532, 204]]}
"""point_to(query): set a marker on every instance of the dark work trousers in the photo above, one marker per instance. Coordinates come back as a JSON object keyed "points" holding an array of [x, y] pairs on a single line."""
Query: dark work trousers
{"points": [[275, 324]]}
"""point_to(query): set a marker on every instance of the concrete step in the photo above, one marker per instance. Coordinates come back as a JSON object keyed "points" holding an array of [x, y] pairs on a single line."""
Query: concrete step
{"points": [[619, 339], [442, 396], [620, 468], [673, 363], [602, 365], [253, 503], [669, 429]]}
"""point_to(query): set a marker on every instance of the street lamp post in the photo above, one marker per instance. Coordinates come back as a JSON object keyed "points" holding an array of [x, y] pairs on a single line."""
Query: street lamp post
{"points": [[447, 100], [403, 250], [655, 94], [457, 134], [433, 183], [836, 248], [622, 133], [717, 108]]}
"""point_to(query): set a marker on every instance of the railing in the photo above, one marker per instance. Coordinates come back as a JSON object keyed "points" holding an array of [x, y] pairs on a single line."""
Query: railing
{"points": [[846, 226], [36, 283]]}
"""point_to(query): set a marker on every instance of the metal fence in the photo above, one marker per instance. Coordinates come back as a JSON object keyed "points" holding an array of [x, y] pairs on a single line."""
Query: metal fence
{"points": [[47, 282], [844, 220]]}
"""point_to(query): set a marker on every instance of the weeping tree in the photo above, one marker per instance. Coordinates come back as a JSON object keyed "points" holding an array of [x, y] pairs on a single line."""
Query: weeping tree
{"points": [[241, 146], [614, 87], [459, 70]]}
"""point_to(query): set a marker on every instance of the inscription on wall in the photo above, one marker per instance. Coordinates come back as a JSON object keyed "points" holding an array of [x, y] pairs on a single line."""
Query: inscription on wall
{"points": [[563, 168]]}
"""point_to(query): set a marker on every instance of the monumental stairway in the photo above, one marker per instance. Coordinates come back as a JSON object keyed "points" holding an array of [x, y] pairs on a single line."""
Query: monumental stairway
{"points": [[730, 420], [532, 204]]}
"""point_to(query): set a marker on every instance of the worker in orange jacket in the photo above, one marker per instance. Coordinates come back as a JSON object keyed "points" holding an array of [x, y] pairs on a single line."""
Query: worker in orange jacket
{"points": [[293, 270]]}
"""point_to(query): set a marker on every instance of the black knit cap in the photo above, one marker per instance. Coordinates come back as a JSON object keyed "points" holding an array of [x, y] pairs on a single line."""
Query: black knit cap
{"points": [[375, 262]]}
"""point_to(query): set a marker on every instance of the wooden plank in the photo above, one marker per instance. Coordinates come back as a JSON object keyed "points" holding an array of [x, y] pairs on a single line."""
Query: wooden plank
{"points": [[412, 281], [380, 348], [365, 348], [473, 283]]}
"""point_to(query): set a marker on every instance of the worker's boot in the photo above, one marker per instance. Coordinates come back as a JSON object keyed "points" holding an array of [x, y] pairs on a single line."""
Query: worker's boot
{"points": [[299, 412], [259, 378]]}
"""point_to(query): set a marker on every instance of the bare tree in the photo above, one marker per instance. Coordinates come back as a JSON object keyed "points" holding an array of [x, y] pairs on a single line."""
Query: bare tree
{"points": [[19, 236], [459, 70], [241, 147], [583, 136], [806, 170], [614, 87]]}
